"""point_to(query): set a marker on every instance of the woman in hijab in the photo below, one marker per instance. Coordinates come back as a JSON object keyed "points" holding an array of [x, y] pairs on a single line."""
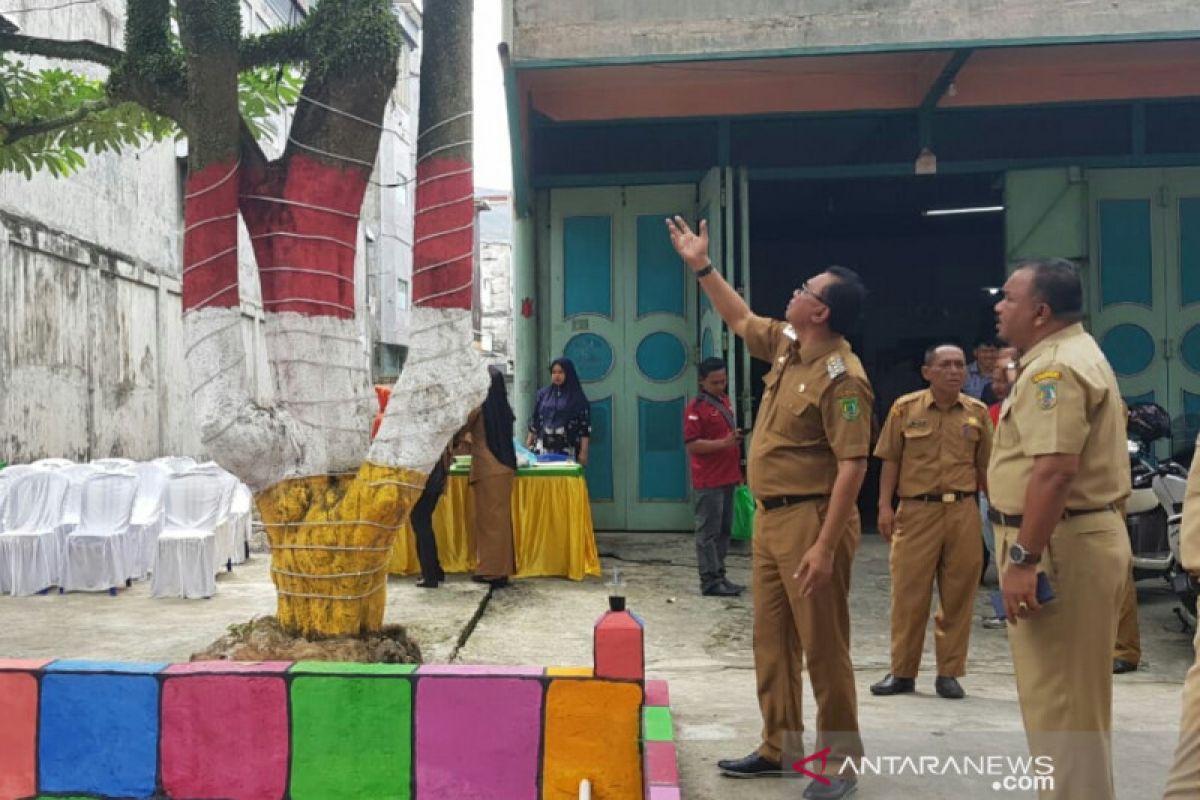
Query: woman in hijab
{"points": [[493, 468], [562, 415]]}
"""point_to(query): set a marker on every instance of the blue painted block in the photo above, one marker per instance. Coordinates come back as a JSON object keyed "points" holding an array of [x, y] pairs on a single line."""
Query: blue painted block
{"points": [[98, 733], [123, 667]]}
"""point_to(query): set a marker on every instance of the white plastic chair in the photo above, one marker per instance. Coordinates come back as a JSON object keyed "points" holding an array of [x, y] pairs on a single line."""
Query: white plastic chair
{"points": [[176, 463], [101, 552], [147, 520], [30, 546], [185, 563], [7, 476], [53, 463], [76, 474]]}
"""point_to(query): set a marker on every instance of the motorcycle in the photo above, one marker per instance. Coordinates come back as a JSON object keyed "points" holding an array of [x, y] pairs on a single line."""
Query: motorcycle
{"points": [[1154, 511]]}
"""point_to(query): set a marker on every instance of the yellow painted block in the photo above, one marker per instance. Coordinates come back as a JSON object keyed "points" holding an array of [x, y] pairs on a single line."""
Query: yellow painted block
{"points": [[569, 672], [592, 730]]}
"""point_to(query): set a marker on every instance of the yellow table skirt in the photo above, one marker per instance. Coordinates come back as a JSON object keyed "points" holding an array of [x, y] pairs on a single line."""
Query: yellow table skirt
{"points": [[552, 530]]}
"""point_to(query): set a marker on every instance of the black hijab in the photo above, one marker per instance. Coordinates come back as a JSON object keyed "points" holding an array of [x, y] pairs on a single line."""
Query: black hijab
{"points": [[559, 405], [498, 421]]}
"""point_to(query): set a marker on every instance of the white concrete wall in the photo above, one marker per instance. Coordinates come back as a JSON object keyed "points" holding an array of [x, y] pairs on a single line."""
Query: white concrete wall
{"points": [[634, 29], [496, 302]]}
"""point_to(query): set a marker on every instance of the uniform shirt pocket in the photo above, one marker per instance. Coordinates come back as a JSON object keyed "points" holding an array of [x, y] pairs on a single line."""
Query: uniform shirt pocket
{"points": [[802, 418]]}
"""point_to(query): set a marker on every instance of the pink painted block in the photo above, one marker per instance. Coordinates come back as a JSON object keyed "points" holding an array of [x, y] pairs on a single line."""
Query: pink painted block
{"points": [[479, 669], [664, 793], [224, 736], [662, 768], [228, 667], [18, 735], [657, 693], [23, 664], [478, 738]]}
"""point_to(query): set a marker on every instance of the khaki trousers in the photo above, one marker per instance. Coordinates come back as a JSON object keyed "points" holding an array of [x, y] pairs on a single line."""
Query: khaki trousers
{"points": [[790, 630], [934, 541], [1129, 635], [1184, 781], [1063, 655]]}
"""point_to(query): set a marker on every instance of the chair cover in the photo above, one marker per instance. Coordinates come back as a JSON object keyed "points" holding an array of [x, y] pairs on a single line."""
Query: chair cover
{"points": [[176, 463], [113, 463], [242, 513], [226, 526], [185, 563], [76, 474], [147, 520], [30, 545], [53, 463], [101, 552]]}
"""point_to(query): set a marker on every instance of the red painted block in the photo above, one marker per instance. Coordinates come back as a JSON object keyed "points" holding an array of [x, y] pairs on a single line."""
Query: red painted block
{"points": [[662, 767], [18, 734], [224, 735], [657, 694], [618, 647]]}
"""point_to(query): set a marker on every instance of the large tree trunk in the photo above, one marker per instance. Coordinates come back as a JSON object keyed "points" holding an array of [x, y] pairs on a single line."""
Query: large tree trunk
{"points": [[331, 517]]}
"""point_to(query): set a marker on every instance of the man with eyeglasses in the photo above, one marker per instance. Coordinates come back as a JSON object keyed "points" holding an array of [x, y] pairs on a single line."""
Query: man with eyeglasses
{"points": [[1057, 475], [935, 447], [806, 465]]}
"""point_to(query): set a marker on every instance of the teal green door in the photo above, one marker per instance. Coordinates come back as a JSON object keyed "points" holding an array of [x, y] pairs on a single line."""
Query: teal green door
{"points": [[1145, 287], [622, 308], [1137, 234]]}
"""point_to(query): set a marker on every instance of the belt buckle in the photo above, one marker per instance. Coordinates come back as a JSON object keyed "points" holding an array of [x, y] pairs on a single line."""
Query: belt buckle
{"points": [[949, 497]]}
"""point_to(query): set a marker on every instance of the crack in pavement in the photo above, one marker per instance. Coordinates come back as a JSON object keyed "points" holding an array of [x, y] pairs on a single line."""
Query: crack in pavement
{"points": [[465, 634]]}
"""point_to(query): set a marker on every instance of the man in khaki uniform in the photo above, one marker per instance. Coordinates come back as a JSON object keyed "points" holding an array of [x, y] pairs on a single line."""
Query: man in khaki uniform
{"points": [[808, 457], [1184, 780], [935, 447], [1058, 471]]}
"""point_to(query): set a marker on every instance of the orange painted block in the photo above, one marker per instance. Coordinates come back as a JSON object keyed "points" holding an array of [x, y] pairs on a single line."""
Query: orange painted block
{"points": [[591, 731], [18, 735], [618, 646]]}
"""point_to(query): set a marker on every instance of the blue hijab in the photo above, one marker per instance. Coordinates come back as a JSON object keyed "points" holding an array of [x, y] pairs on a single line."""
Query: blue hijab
{"points": [[557, 405]]}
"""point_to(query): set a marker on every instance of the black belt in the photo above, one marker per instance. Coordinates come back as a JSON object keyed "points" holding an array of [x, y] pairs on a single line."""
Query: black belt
{"points": [[945, 497], [1014, 520], [771, 503]]}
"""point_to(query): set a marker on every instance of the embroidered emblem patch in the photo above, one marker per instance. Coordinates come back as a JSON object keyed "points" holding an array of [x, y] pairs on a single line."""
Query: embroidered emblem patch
{"points": [[1047, 375], [1047, 395], [850, 408], [835, 366]]}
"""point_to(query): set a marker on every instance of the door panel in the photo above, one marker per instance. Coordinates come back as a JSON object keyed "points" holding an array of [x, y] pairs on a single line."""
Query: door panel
{"points": [[1127, 284], [1183, 303], [623, 309]]}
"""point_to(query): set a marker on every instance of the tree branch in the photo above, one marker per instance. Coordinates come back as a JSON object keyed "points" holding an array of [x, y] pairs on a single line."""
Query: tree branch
{"points": [[18, 132], [69, 50], [280, 46]]}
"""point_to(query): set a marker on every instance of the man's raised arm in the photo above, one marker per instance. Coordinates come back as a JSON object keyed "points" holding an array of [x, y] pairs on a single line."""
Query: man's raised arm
{"points": [[693, 249]]}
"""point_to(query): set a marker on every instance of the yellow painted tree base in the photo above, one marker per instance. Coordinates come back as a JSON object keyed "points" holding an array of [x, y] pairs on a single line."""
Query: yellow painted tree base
{"points": [[331, 538]]}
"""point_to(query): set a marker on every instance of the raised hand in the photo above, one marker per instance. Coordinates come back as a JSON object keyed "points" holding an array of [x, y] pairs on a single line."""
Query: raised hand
{"points": [[692, 247]]}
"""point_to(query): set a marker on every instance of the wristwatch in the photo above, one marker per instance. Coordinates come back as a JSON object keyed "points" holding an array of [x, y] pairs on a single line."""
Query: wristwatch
{"points": [[1017, 554], [700, 273]]}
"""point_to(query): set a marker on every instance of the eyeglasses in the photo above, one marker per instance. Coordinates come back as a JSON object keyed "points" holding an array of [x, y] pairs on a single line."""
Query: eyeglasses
{"points": [[814, 295]]}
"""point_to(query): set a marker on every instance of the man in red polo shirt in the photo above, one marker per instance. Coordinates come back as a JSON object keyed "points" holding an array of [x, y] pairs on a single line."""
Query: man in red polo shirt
{"points": [[713, 442]]}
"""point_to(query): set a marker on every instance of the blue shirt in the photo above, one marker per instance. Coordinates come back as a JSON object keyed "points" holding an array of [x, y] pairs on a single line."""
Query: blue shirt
{"points": [[976, 382]]}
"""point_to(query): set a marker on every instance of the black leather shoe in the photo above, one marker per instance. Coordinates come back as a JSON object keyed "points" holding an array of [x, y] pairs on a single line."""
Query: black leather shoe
{"points": [[721, 590], [949, 688], [835, 789], [752, 766], [1120, 667], [893, 685], [427, 583], [737, 587]]}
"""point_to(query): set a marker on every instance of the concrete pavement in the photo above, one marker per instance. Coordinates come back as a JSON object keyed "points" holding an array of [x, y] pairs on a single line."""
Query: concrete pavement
{"points": [[700, 644]]}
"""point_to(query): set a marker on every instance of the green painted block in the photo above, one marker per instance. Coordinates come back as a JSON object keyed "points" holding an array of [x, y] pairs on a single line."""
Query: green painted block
{"points": [[656, 724], [351, 738], [350, 668]]}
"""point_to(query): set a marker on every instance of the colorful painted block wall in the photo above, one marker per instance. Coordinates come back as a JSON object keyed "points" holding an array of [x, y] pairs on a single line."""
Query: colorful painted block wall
{"points": [[269, 730]]}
